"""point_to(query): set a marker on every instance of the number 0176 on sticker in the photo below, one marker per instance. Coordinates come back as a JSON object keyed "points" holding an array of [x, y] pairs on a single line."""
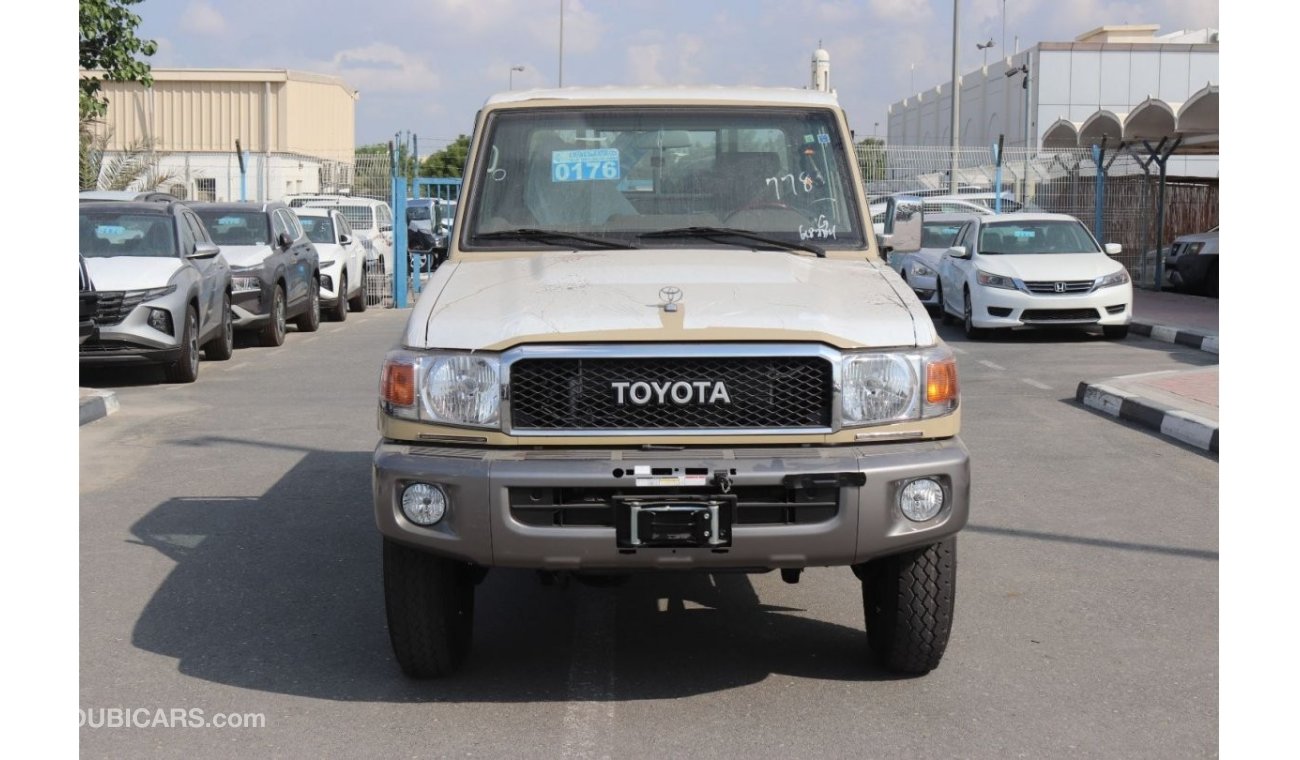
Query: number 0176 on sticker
{"points": [[584, 165]]}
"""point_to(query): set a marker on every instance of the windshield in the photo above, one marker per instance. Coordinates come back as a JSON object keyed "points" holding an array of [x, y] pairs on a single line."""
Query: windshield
{"points": [[619, 173], [112, 233], [236, 227], [939, 234], [1048, 236], [320, 229], [420, 213]]}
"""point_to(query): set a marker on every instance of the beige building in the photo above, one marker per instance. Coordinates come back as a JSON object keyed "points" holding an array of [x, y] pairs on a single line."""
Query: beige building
{"points": [[297, 129]]}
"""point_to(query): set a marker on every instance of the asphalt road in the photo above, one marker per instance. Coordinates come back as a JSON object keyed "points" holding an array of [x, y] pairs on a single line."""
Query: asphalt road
{"points": [[230, 564]]}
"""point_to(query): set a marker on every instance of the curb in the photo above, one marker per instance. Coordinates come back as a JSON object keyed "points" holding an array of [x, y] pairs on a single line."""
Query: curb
{"points": [[1197, 339], [97, 404], [1166, 420]]}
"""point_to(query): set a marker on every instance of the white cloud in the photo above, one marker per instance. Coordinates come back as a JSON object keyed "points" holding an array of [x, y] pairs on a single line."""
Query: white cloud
{"points": [[380, 67], [901, 11], [643, 64], [201, 18]]}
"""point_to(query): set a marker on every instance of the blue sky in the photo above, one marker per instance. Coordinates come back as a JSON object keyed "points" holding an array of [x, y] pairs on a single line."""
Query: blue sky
{"points": [[427, 65]]}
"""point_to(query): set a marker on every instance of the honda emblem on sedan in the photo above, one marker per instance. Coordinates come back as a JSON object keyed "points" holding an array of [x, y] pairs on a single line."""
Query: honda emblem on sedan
{"points": [[1060, 287]]}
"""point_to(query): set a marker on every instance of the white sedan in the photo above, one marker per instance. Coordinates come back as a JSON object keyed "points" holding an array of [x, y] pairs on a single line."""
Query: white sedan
{"points": [[1033, 270], [342, 261], [920, 269]]}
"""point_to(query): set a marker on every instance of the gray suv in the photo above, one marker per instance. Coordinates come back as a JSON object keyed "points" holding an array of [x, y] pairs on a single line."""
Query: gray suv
{"points": [[275, 268], [163, 287]]}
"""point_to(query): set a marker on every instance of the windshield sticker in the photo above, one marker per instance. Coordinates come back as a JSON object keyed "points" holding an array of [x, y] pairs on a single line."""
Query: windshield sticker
{"points": [[824, 138], [227, 221], [808, 139], [105, 230], [584, 165], [1026, 233], [821, 229]]}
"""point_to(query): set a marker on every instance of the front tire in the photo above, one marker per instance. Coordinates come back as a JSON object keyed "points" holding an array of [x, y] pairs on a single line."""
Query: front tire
{"points": [[186, 368], [907, 600], [944, 317], [968, 321], [1115, 332], [358, 302], [340, 310], [222, 347], [309, 320], [273, 334], [430, 607]]}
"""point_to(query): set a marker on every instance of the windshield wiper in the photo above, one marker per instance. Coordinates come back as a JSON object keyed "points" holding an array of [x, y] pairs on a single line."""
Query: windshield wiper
{"points": [[712, 233], [553, 237]]}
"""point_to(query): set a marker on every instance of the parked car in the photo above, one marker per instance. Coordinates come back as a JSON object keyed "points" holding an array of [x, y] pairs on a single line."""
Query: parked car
{"points": [[298, 200], [88, 298], [126, 195], [372, 222], [920, 269], [1193, 263], [274, 266], [428, 223], [1033, 270], [342, 261], [163, 288]]}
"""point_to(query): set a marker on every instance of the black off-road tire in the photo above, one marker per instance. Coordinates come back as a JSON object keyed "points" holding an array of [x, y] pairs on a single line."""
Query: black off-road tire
{"points": [[222, 347], [907, 600], [186, 368], [273, 334], [357, 303], [1115, 332], [339, 311], [309, 320], [430, 606]]}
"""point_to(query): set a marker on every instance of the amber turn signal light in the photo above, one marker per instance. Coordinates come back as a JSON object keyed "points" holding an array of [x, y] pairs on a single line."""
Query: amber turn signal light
{"points": [[941, 381], [398, 384]]}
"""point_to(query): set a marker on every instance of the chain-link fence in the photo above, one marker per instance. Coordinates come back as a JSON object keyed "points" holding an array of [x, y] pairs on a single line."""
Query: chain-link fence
{"points": [[1061, 181]]}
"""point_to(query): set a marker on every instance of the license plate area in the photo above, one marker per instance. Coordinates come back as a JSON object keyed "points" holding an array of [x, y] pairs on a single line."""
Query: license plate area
{"points": [[674, 521]]}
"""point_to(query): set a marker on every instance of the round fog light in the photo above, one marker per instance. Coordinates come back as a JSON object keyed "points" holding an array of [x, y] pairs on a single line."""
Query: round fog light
{"points": [[921, 500], [424, 504]]}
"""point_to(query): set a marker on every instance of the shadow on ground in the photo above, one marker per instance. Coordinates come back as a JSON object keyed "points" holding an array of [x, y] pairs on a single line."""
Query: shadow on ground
{"points": [[283, 593]]}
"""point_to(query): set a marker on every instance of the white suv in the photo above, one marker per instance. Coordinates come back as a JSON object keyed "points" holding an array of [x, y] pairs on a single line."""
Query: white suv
{"points": [[372, 223]]}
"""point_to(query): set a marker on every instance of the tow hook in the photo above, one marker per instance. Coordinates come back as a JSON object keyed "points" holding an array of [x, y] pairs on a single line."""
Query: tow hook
{"points": [[791, 574], [722, 480]]}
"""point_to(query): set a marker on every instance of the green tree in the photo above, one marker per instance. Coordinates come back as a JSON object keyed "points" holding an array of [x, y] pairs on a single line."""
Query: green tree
{"points": [[448, 162], [109, 45]]}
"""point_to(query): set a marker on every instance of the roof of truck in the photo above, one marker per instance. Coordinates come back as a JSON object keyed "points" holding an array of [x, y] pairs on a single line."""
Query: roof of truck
{"points": [[771, 95]]}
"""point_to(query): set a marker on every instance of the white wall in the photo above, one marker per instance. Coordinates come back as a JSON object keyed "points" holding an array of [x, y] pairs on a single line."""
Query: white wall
{"points": [[285, 174]]}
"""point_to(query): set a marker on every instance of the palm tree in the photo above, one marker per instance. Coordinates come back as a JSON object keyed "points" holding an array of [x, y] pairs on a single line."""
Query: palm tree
{"points": [[135, 167]]}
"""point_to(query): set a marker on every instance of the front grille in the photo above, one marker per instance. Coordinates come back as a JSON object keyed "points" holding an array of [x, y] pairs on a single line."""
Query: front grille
{"points": [[1049, 286], [755, 505], [1059, 315], [765, 393], [115, 305], [113, 347]]}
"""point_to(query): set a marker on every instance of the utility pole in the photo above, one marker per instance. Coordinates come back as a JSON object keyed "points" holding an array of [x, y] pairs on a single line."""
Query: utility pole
{"points": [[956, 97], [1024, 69], [984, 46], [561, 43]]}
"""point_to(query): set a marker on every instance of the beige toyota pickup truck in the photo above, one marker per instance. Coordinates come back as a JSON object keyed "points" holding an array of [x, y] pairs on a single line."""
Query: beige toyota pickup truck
{"points": [[665, 339]]}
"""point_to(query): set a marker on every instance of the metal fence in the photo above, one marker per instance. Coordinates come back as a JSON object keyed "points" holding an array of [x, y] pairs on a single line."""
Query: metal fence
{"points": [[1061, 181]]}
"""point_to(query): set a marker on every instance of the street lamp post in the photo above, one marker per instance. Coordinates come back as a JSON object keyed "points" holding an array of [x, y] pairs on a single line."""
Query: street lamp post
{"points": [[561, 79], [513, 69], [1024, 69], [956, 99]]}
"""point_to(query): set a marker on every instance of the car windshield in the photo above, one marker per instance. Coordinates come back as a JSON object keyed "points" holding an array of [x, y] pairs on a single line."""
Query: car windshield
{"points": [[939, 234], [236, 227], [105, 234], [1029, 237], [420, 213], [320, 229], [616, 174]]}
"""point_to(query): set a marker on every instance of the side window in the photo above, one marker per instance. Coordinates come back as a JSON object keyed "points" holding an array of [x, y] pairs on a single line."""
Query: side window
{"points": [[342, 224], [968, 236], [295, 227], [187, 234], [278, 224], [385, 217], [196, 227]]}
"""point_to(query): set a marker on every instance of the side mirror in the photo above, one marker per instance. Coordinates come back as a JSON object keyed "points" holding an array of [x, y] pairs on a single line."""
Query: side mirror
{"points": [[903, 218], [284, 240], [204, 251], [1112, 249], [958, 252], [344, 239]]}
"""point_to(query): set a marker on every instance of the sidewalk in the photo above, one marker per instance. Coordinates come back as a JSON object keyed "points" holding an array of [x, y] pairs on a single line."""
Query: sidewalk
{"points": [[1179, 404], [95, 404]]}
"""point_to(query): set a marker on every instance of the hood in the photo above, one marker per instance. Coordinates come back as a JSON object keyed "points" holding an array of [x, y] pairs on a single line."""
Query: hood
{"points": [[327, 251], [931, 257], [132, 272], [1051, 266], [245, 255], [614, 296]]}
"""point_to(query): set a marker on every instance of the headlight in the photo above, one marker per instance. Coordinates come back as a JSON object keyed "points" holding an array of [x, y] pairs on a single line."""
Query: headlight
{"points": [[994, 280], [450, 388], [891, 386], [1118, 278], [245, 284], [921, 270]]}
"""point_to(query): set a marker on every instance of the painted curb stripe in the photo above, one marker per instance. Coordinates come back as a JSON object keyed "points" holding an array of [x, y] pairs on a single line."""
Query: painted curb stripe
{"points": [[1190, 338], [1162, 418]]}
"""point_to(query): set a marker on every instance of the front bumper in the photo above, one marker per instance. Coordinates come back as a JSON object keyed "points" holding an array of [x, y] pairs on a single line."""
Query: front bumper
{"points": [[1004, 308], [251, 309], [925, 288], [486, 523], [330, 279], [132, 340]]}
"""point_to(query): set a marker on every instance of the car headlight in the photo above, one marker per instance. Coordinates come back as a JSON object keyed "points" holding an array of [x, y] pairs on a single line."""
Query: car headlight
{"points": [[1117, 278], [921, 270], [892, 386], [994, 280], [245, 284], [442, 387]]}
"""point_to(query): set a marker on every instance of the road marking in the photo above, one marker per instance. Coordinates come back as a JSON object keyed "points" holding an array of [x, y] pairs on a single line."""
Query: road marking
{"points": [[309, 340], [335, 329], [236, 366], [589, 712], [1036, 384], [957, 350], [991, 365]]}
